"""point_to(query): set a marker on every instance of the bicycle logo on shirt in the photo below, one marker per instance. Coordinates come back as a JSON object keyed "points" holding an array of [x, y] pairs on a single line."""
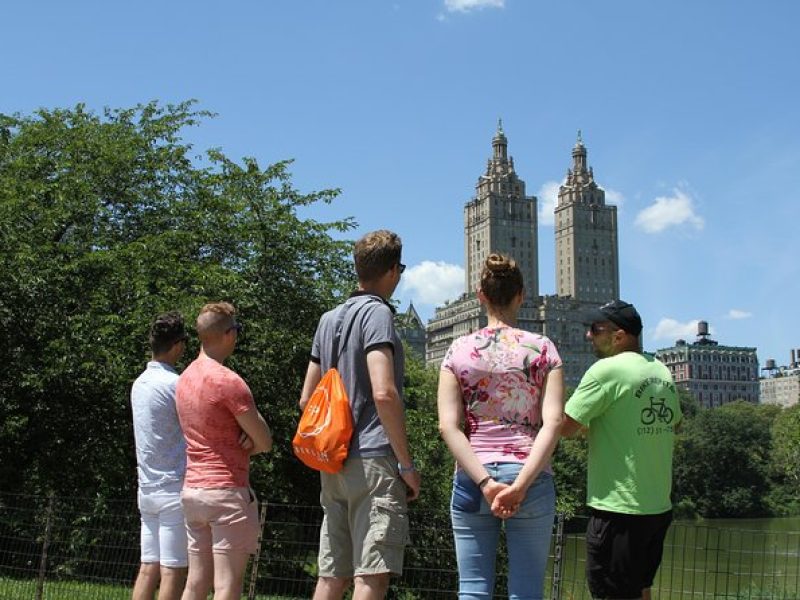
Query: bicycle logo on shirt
{"points": [[657, 410]]}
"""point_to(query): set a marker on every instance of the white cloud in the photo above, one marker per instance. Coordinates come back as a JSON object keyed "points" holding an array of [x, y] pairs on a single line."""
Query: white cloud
{"points": [[468, 5], [669, 211], [432, 282], [614, 197], [737, 314], [670, 329], [548, 198]]}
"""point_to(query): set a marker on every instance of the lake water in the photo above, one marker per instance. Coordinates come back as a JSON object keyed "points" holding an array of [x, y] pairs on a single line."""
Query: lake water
{"points": [[730, 559]]}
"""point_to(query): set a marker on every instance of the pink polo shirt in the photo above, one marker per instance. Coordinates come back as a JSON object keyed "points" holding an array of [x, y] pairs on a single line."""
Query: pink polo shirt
{"points": [[208, 397]]}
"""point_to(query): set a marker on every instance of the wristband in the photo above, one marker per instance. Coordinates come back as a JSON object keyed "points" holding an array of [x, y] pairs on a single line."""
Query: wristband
{"points": [[484, 481], [409, 469]]}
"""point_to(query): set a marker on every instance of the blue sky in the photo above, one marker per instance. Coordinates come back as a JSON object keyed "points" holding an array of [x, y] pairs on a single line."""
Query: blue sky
{"points": [[688, 110]]}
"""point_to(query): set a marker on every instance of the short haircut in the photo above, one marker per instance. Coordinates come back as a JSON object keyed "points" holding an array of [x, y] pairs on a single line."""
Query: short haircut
{"points": [[215, 319], [167, 330], [376, 253], [501, 279]]}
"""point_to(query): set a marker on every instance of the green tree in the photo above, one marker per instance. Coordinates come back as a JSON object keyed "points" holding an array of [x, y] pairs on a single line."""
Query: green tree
{"points": [[689, 404], [785, 499], [106, 220], [569, 470], [722, 461], [431, 454]]}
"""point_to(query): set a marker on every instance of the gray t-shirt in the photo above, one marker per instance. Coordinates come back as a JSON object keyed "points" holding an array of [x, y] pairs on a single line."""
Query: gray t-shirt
{"points": [[370, 321], [160, 445]]}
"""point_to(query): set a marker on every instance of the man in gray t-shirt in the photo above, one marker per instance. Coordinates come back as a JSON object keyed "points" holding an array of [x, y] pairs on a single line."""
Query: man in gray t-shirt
{"points": [[365, 527], [161, 464], [368, 323]]}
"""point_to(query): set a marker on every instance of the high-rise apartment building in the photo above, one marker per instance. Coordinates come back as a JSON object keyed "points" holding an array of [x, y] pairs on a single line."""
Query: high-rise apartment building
{"points": [[714, 374], [781, 385], [587, 265], [501, 218]]}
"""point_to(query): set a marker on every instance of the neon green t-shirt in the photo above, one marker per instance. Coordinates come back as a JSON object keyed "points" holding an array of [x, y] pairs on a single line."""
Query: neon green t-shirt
{"points": [[629, 403]]}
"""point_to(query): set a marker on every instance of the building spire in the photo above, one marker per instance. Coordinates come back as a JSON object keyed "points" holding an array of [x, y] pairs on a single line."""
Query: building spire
{"points": [[500, 144], [579, 165]]}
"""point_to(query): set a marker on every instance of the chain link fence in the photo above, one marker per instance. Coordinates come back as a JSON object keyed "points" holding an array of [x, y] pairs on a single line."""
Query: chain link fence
{"points": [[55, 548]]}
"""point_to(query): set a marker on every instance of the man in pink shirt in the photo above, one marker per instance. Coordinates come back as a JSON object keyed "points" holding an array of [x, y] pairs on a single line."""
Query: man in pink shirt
{"points": [[223, 429]]}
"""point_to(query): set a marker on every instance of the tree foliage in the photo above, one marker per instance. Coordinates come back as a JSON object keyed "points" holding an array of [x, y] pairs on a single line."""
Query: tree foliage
{"points": [[106, 220], [722, 460], [785, 499]]}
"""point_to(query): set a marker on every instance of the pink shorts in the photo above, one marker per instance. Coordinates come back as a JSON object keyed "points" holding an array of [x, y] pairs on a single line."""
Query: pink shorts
{"points": [[221, 520]]}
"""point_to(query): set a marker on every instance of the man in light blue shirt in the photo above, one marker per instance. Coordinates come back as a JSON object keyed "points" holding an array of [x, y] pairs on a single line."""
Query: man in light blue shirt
{"points": [[161, 464]]}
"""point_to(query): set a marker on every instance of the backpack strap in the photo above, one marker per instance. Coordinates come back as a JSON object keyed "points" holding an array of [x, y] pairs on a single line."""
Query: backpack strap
{"points": [[339, 341]]}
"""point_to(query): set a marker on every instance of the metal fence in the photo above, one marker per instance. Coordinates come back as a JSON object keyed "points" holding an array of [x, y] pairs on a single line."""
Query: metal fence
{"points": [[87, 548]]}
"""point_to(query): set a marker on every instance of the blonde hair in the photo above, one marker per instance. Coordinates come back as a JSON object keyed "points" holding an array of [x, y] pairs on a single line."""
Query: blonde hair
{"points": [[215, 318]]}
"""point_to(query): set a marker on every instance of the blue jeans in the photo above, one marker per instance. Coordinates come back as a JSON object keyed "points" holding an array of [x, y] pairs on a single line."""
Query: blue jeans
{"points": [[477, 531]]}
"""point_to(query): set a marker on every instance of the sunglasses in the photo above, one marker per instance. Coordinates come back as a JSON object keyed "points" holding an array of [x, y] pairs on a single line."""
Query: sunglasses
{"points": [[237, 326], [402, 267], [597, 328]]}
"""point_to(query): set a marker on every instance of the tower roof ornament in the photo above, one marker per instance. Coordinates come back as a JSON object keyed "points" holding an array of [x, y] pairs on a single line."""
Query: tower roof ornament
{"points": [[500, 126]]}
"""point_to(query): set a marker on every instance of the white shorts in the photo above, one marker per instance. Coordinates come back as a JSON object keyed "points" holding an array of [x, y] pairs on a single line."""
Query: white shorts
{"points": [[163, 528]]}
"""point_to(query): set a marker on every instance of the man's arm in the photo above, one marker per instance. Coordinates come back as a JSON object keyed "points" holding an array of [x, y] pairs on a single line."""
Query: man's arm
{"points": [[570, 426], [313, 377], [389, 406], [256, 428]]}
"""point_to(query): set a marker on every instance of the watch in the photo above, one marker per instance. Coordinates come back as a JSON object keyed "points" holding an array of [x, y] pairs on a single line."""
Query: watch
{"points": [[403, 469]]}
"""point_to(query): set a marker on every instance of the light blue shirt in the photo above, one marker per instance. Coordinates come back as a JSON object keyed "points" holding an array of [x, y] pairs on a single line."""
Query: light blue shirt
{"points": [[160, 445]]}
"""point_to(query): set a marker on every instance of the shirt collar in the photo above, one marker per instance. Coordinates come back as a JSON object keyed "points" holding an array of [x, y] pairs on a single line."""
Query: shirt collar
{"points": [[358, 293], [157, 364]]}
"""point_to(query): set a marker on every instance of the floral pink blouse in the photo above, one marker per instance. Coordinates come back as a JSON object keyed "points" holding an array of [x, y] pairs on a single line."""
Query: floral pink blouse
{"points": [[501, 373]]}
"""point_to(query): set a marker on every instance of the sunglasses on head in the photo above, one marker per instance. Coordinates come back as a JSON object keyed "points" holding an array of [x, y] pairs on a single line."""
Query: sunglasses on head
{"points": [[236, 326]]}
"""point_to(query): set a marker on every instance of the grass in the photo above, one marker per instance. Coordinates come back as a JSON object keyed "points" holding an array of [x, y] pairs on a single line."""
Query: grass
{"points": [[25, 589]]}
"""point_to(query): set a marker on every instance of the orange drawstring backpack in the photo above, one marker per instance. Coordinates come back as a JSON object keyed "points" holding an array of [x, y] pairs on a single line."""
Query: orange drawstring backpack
{"points": [[323, 434]]}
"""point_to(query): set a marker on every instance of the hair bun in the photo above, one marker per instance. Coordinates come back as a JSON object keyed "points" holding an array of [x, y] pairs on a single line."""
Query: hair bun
{"points": [[500, 265]]}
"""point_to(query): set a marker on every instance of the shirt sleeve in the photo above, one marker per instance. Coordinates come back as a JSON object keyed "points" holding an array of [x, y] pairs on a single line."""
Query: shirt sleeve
{"points": [[315, 353], [553, 357], [378, 328], [448, 364], [236, 396], [588, 401]]}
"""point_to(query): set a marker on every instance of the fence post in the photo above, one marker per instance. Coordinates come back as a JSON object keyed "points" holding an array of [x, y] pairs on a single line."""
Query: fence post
{"points": [[251, 594], [45, 544], [558, 553]]}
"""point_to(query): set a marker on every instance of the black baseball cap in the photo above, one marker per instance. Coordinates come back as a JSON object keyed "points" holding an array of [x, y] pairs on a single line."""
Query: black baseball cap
{"points": [[621, 313]]}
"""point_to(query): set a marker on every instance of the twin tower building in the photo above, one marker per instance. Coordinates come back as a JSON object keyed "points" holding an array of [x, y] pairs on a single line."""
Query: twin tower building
{"points": [[502, 218]]}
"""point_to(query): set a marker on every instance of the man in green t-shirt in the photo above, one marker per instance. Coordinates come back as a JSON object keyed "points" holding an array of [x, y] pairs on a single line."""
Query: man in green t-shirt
{"points": [[628, 403]]}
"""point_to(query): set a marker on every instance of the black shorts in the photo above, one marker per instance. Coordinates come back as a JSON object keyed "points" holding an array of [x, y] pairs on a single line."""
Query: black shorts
{"points": [[623, 552]]}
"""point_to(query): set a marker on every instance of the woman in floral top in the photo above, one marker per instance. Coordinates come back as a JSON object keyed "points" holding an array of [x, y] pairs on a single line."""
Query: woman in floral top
{"points": [[501, 405]]}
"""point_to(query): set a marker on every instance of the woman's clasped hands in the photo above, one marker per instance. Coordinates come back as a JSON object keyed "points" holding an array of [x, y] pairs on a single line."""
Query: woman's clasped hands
{"points": [[503, 499]]}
